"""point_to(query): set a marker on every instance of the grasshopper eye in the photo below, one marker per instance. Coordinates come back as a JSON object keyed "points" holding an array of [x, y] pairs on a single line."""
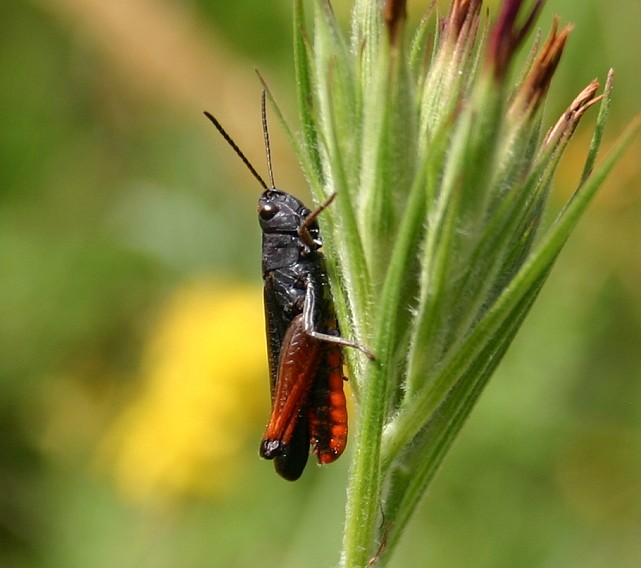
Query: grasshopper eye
{"points": [[266, 212]]}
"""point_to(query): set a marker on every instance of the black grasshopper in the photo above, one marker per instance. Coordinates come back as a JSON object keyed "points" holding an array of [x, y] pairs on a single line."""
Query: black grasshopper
{"points": [[303, 340]]}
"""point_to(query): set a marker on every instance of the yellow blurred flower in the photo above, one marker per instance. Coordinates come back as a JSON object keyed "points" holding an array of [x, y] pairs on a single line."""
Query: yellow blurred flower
{"points": [[203, 393]]}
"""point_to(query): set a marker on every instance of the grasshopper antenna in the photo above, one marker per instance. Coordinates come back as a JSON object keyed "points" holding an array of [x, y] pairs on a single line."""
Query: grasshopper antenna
{"points": [[268, 149], [239, 152]]}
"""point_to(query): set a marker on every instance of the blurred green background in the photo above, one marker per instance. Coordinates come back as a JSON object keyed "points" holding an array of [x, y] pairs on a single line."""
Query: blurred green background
{"points": [[132, 376]]}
